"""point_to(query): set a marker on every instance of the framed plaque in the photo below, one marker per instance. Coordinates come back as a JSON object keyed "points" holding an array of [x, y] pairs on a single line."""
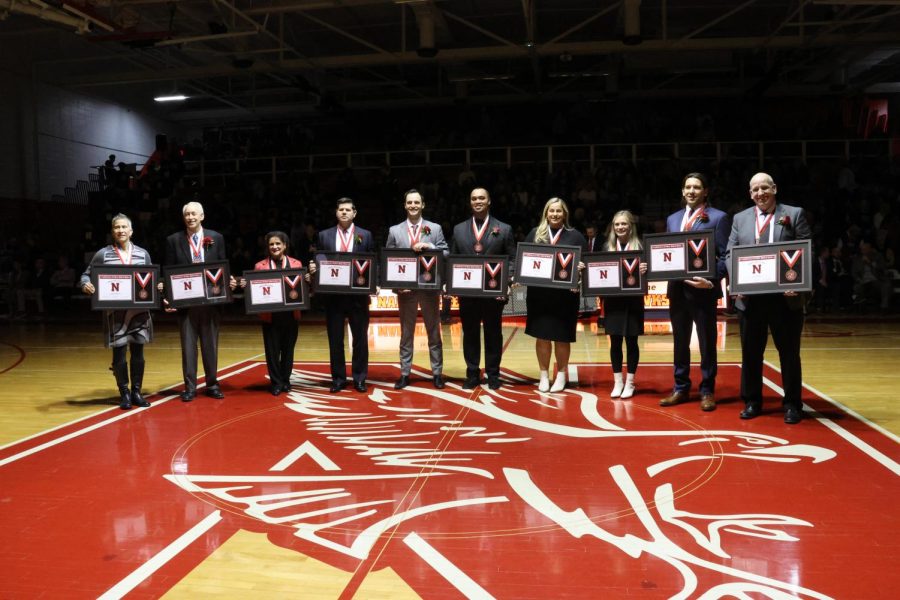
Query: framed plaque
{"points": [[125, 287], [543, 265], [275, 290], [346, 273], [680, 255], [405, 269], [477, 275], [613, 274], [197, 284], [772, 268]]}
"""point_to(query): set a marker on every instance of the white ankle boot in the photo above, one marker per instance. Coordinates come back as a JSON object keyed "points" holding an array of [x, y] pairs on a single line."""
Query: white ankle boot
{"points": [[628, 390], [544, 384], [559, 384], [617, 388]]}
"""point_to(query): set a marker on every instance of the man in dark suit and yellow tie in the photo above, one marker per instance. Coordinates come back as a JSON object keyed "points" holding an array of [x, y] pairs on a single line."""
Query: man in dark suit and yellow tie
{"points": [[484, 235], [768, 222], [196, 245], [354, 309]]}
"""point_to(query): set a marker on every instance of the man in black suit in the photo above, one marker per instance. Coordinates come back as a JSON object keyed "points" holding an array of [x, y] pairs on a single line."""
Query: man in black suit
{"points": [[483, 235], [347, 237], [197, 245]]}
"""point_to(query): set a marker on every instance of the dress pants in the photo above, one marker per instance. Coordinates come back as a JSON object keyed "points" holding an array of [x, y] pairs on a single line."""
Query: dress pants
{"points": [[199, 322], [408, 304], [477, 315], [686, 308], [355, 309], [279, 339], [764, 313]]}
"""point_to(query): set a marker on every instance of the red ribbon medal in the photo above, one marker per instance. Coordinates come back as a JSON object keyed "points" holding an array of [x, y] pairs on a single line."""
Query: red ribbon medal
{"points": [[493, 270], [564, 259], [361, 267], [697, 249], [214, 277], [293, 282], [630, 266], [143, 279], [791, 260], [479, 233], [427, 263]]}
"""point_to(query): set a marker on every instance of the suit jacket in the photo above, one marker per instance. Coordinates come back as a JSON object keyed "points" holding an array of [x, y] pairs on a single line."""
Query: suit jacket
{"points": [[717, 220], [398, 236], [499, 244], [178, 249], [264, 265], [743, 233], [327, 240]]}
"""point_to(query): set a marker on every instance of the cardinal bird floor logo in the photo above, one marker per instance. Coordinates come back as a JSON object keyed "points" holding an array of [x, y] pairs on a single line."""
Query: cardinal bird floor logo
{"points": [[462, 493]]}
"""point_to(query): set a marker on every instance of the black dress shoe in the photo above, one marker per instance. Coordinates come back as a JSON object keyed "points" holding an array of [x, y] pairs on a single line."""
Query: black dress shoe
{"points": [[360, 386], [137, 399], [214, 392], [275, 390], [751, 411], [188, 396], [402, 382], [438, 382], [125, 399], [793, 415], [494, 383], [471, 383], [337, 386], [286, 388]]}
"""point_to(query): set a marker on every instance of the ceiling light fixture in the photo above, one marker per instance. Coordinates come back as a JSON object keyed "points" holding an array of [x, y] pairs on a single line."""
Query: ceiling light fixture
{"points": [[171, 98]]}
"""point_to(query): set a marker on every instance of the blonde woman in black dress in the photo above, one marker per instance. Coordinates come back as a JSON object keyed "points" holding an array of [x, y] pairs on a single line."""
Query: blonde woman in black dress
{"points": [[623, 316], [552, 314]]}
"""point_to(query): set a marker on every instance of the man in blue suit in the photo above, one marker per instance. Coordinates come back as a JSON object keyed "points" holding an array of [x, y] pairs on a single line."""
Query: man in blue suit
{"points": [[354, 308], [693, 301]]}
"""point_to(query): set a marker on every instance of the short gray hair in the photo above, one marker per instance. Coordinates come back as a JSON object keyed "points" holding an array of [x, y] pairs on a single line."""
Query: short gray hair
{"points": [[185, 207], [120, 217]]}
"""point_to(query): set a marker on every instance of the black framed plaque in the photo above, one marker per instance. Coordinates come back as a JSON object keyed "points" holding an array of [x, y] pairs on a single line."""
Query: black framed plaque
{"points": [[772, 268], [124, 287], [275, 290], [477, 275], [346, 273], [543, 265], [406, 269], [682, 255], [197, 284], [613, 274]]}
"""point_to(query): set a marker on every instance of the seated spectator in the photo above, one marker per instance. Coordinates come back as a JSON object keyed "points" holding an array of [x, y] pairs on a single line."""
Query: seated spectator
{"points": [[62, 280], [870, 278]]}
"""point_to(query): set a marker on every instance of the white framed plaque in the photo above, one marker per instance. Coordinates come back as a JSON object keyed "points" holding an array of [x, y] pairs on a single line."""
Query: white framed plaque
{"points": [[346, 273], [772, 268], [403, 268], [197, 284], [544, 265], [274, 290], [477, 275], [680, 255], [124, 287], [613, 274]]}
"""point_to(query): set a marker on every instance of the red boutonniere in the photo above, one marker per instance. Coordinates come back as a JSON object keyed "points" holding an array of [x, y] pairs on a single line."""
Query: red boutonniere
{"points": [[495, 230], [785, 221], [358, 239], [207, 241], [703, 218], [426, 230]]}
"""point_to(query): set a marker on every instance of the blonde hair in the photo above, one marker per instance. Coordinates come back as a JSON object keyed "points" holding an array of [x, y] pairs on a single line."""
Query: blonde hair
{"points": [[634, 242], [542, 235]]}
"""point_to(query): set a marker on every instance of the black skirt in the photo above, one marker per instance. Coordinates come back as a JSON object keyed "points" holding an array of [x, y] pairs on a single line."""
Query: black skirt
{"points": [[623, 315], [552, 314]]}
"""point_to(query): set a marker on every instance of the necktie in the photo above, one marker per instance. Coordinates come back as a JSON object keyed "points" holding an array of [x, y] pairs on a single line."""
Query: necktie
{"points": [[196, 256]]}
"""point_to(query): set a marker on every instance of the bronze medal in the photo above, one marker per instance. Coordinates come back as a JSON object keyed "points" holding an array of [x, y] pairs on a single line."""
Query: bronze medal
{"points": [[293, 294], [216, 290], [790, 275], [426, 276], [360, 280], [143, 294], [698, 262], [478, 247], [631, 280], [492, 283], [563, 274]]}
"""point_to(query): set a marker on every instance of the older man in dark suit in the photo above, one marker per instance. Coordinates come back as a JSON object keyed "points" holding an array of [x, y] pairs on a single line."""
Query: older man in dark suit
{"points": [[197, 245], [347, 237], [692, 302], [765, 223], [484, 235]]}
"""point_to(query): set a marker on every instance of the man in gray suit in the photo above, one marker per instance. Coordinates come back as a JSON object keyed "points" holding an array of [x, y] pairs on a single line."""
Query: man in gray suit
{"points": [[765, 223], [417, 233], [196, 244], [488, 236]]}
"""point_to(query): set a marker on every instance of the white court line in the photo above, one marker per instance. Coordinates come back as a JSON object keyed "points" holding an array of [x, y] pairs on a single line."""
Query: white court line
{"points": [[864, 447], [123, 415], [446, 569], [137, 577]]}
